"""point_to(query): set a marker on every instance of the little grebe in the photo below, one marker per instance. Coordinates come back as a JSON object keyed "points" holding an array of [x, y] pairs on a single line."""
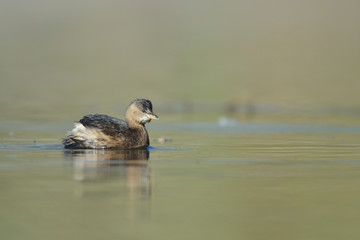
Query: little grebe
{"points": [[102, 131]]}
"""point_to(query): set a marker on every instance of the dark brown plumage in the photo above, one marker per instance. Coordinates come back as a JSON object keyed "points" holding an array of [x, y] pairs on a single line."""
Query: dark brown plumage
{"points": [[102, 131]]}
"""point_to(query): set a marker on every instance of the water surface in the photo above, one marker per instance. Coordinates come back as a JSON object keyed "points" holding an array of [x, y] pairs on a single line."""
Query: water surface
{"points": [[211, 181]]}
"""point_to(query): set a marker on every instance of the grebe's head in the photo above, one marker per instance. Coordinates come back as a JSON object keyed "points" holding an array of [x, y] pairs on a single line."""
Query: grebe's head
{"points": [[140, 111]]}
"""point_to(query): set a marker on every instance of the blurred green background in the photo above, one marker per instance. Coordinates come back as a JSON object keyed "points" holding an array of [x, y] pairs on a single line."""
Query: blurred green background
{"points": [[60, 59]]}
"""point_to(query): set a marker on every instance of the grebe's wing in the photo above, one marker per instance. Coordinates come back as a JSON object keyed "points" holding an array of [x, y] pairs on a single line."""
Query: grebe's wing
{"points": [[108, 125]]}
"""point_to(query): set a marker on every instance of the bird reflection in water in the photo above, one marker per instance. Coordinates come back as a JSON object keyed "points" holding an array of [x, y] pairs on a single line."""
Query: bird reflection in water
{"points": [[130, 166]]}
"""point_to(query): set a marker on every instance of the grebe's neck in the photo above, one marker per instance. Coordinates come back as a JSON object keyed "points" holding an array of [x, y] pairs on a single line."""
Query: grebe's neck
{"points": [[133, 123], [138, 130]]}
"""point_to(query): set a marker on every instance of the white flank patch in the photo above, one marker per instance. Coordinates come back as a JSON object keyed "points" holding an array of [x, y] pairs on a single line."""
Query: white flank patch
{"points": [[86, 134]]}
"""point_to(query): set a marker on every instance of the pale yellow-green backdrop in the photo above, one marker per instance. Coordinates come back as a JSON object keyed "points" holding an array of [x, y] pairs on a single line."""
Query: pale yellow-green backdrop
{"points": [[57, 57]]}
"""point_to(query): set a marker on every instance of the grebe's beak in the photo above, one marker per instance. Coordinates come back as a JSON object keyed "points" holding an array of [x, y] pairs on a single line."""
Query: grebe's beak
{"points": [[152, 116]]}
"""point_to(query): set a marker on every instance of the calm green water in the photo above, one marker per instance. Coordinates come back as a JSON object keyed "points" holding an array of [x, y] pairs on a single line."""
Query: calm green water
{"points": [[249, 181]]}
